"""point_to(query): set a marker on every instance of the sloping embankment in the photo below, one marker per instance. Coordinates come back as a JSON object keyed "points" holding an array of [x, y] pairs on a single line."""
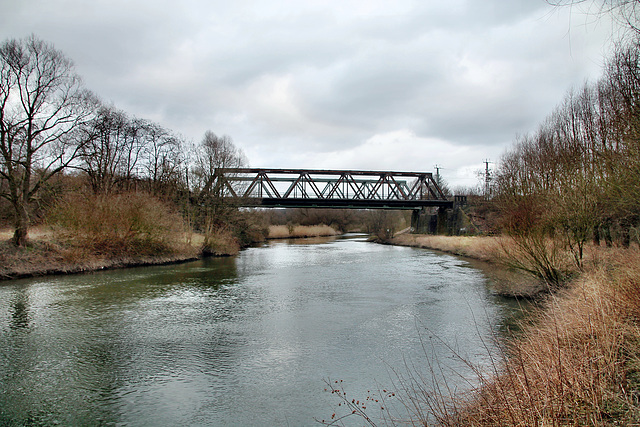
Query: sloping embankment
{"points": [[577, 362], [41, 258]]}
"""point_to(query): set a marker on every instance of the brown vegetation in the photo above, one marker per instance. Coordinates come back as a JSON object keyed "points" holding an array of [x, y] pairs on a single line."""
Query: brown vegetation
{"points": [[578, 363], [477, 247], [220, 242], [297, 231], [119, 224], [43, 255]]}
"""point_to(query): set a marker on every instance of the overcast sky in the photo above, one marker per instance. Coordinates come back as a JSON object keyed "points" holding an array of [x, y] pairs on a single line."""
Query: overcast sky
{"points": [[352, 84]]}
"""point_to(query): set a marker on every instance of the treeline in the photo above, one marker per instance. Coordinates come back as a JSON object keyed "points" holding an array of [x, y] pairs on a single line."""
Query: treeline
{"points": [[108, 181], [577, 177], [95, 171]]}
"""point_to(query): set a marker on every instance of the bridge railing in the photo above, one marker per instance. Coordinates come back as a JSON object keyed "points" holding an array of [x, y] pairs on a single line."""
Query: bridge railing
{"points": [[333, 188]]}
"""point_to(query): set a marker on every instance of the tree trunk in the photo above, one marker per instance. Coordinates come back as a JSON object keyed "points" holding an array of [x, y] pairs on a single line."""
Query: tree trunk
{"points": [[625, 234], [21, 224], [607, 234]]}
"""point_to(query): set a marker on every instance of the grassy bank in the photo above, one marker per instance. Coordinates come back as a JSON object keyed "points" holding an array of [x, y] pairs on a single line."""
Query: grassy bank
{"points": [[300, 231], [86, 232], [46, 254], [481, 248], [51, 253], [577, 361]]}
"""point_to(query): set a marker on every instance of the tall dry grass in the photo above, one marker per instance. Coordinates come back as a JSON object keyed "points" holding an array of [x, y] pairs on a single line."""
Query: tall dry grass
{"points": [[482, 248], [115, 225], [220, 242], [578, 363], [300, 231]]}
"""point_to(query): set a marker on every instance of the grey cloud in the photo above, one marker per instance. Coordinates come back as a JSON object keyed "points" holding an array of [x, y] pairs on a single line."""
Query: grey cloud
{"points": [[288, 76]]}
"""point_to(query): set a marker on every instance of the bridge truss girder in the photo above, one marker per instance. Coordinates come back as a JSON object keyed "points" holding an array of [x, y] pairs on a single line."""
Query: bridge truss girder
{"points": [[331, 188]]}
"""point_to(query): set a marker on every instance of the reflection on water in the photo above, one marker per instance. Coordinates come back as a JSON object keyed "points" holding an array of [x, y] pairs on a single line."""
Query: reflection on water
{"points": [[237, 341]]}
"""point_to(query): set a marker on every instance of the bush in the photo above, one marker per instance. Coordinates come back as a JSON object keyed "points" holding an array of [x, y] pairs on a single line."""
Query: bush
{"points": [[121, 224], [220, 241]]}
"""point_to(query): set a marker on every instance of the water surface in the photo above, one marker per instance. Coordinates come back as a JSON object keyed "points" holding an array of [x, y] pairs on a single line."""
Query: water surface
{"points": [[248, 340]]}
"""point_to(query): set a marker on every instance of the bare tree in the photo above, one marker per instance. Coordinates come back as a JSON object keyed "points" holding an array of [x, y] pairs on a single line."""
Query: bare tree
{"points": [[121, 151], [214, 154], [163, 159], [102, 155], [42, 103], [627, 12]]}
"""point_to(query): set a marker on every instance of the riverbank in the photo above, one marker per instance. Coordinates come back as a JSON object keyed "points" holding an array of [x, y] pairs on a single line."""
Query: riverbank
{"points": [[576, 361], [505, 281], [477, 247], [300, 231], [44, 256]]}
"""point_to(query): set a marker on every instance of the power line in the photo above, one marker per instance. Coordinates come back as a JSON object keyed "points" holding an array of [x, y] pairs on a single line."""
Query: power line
{"points": [[437, 168], [487, 179]]}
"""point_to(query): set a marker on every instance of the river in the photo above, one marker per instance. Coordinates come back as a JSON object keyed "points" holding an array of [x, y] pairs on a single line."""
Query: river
{"points": [[247, 340]]}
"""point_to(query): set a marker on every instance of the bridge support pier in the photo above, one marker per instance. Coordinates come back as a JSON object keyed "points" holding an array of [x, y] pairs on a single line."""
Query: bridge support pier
{"points": [[443, 217], [425, 222], [419, 221]]}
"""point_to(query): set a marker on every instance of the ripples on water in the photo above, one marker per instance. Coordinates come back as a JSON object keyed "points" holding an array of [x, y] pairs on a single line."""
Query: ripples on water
{"points": [[237, 341]]}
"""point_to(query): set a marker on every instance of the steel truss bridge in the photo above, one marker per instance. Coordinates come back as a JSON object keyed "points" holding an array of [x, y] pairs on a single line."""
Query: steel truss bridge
{"points": [[347, 189]]}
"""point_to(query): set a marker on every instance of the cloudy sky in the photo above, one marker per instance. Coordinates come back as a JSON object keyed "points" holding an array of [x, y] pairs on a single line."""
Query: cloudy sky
{"points": [[352, 84]]}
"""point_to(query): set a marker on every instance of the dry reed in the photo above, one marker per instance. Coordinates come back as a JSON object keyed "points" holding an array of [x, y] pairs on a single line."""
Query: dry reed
{"points": [[88, 233], [220, 242], [577, 364], [116, 225], [476, 247], [300, 231]]}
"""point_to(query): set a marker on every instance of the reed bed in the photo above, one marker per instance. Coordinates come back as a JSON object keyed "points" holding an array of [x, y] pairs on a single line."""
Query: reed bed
{"points": [[300, 231], [577, 363], [481, 248]]}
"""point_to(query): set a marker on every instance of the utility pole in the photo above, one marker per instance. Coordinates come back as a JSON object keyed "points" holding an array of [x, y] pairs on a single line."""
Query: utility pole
{"points": [[437, 168], [487, 180]]}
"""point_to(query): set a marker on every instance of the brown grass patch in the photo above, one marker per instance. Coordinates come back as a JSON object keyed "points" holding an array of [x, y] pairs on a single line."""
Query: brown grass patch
{"points": [[36, 233], [576, 361], [42, 256], [477, 247], [300, 231], [88, 233], [118, 225], [577, 364], [220, 242]]}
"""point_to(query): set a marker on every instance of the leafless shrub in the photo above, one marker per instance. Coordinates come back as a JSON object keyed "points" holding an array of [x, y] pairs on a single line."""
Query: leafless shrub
{"points": [[130, 223], [295, 231]]}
